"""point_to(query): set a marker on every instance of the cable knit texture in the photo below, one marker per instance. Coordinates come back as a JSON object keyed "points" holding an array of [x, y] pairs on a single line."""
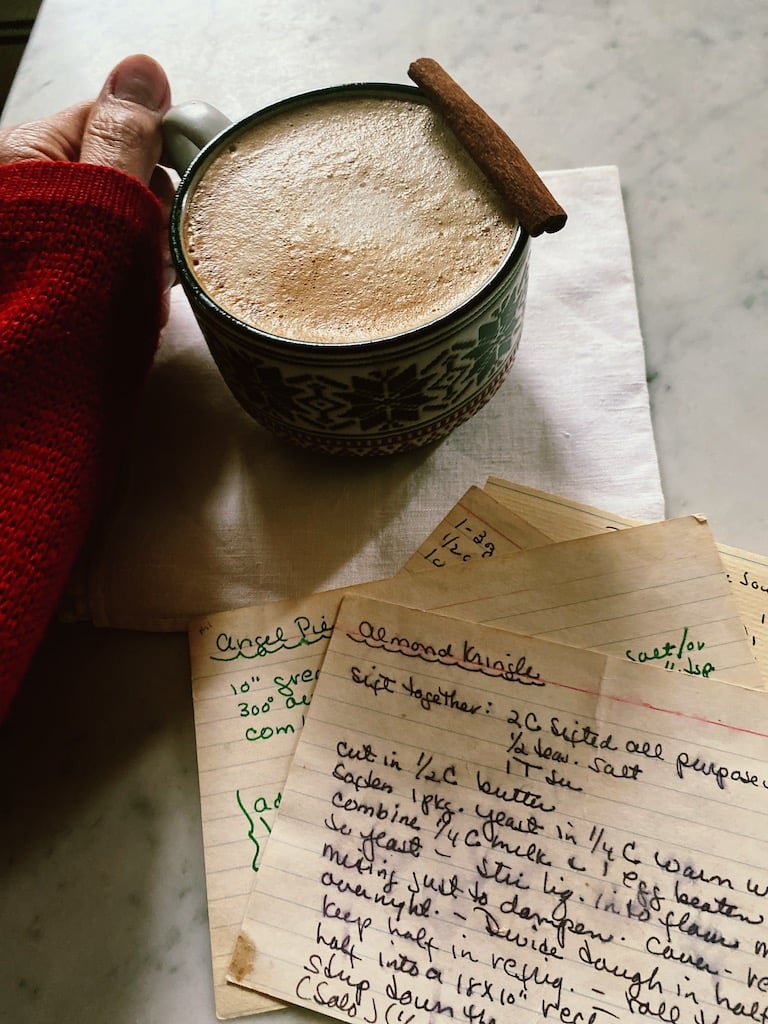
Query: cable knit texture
{"points": [[80, 291]]}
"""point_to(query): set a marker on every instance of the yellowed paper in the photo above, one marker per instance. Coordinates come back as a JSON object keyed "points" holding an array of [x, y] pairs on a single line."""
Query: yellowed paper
{"points": [[560, 518], [563, 519], [655, 593], [478, 528], [748, 574], [253, 674], [251, 687], [481, 826], [253, 671]]}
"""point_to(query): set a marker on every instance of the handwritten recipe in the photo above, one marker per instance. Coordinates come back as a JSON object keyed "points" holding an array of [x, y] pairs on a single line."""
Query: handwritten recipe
{"points": [[253, 673], [482, 826], [656, 592], [656, 596], [564, 519]]}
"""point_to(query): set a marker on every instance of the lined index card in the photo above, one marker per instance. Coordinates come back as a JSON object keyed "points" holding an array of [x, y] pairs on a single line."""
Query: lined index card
{"points": [[482, 826]]}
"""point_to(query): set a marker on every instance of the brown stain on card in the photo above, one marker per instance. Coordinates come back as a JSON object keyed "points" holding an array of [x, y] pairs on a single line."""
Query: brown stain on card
{"points": [[242, 959]]}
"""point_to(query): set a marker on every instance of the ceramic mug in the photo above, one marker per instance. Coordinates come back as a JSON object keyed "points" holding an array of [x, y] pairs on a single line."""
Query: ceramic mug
{"points": [[375, 397]]}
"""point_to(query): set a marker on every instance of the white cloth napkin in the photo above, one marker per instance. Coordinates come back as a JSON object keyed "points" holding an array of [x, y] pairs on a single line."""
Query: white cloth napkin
{"points": [[214, 513]]}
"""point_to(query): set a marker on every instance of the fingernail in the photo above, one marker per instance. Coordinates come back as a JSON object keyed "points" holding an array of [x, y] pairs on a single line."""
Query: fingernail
{"points": [[140, 80]]}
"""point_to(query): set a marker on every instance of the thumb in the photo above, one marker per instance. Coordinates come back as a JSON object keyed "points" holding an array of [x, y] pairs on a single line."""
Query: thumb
{"points": [[123, 127]]}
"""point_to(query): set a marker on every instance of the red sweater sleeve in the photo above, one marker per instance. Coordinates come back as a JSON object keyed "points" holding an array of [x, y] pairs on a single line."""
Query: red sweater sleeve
{"points": [[80, 297]]}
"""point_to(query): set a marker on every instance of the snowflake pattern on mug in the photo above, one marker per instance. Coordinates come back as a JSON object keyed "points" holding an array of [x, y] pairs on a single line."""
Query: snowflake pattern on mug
{"points": [[425, 385]]}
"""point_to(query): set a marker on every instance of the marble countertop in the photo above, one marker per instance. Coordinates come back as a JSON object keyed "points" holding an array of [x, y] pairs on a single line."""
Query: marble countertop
{"points": [[103, 914]]}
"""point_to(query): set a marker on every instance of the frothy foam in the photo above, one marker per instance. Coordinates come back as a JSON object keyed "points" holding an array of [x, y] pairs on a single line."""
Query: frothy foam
{"points": [[345, 220]]}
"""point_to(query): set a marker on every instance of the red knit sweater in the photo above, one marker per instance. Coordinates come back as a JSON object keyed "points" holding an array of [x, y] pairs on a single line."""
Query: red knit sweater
{"points": [[80, 291]]}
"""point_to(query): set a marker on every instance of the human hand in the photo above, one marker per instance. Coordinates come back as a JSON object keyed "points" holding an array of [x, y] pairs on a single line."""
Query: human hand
{"points": [[121, 128]]}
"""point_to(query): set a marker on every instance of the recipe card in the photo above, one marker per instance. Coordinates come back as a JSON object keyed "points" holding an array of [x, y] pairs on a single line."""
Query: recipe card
{"points": [[477, 528], [254, 670], [483, 826], [253, 674], [560, 518], [655, 593], [564, 519]]}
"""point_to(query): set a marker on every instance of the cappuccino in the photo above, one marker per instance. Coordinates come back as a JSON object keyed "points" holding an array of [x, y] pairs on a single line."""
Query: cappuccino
{"points": [[344, 220]]}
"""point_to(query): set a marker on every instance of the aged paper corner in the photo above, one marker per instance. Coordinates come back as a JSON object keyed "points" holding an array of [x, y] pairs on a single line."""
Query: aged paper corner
{"points": [[243, 959]]}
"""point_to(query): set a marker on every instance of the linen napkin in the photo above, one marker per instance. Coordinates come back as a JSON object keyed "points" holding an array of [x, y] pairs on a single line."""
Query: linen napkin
{"points": [[214, 513]]}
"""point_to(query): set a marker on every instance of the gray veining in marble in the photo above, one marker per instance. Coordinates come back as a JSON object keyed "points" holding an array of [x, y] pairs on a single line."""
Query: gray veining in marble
{"points": [[103, 914]]}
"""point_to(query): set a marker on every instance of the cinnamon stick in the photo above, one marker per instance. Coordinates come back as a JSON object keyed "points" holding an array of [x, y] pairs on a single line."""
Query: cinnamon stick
{"points": [[491, 148]]}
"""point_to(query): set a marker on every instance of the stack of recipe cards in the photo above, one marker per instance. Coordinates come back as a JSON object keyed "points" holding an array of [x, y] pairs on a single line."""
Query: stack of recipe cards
{"points": [[526, 778]]}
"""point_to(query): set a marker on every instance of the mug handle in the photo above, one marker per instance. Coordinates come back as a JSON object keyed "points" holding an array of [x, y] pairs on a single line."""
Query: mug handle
{"points": [[187, 128]]}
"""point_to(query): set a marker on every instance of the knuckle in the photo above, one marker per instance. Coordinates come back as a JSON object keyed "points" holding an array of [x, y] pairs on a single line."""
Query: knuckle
{"points": [[120, 128], [122, 132], [16, 144]]}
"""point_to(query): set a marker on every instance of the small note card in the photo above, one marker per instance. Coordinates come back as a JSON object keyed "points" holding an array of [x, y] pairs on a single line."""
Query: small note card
{"points": [[651, 593], [253, 674], [485, 827], [564, 519]]}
